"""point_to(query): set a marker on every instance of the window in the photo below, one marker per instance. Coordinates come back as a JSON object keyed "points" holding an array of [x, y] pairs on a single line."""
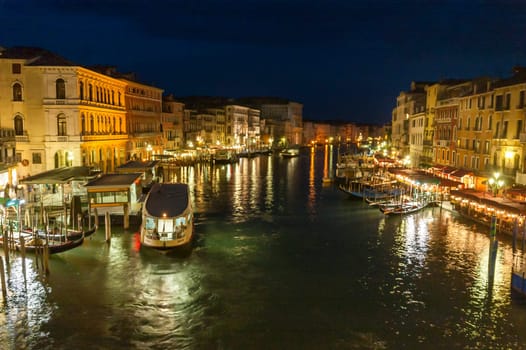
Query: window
{"points": [[17, 92], [504, 130], [81, 90], [508, 101], [521, 99], [499, 103], [19, 125], [83, 125], [37, 158], [61, 125], [61, 89], [16, 68]]}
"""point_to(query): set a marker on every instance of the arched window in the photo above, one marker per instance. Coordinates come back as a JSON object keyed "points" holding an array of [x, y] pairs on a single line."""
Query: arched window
{"points": [[90, 92], [19, 125], [91, 125], [83, 124], [17, 92], [61, 89], [81, 90], [61, 125]]}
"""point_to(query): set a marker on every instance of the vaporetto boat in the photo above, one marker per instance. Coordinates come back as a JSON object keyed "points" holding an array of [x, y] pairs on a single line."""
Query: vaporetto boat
{"points": [[167, 216]]}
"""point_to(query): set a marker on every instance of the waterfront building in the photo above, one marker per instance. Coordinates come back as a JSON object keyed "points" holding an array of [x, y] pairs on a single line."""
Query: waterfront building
{"points": [[416, 133], [63, 114], [172, 123], [217, 121], [475, 127], [506, 148], [446, 122], [220, 127], [283, 119], [236, 125], [11, 94], [206, 133], [433, 90], [143, 105], [143, 117], [406, 105], [254, 129]]}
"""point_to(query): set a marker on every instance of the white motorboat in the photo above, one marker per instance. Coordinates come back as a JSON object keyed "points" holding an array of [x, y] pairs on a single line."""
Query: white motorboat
{"points": [[167, 216]]}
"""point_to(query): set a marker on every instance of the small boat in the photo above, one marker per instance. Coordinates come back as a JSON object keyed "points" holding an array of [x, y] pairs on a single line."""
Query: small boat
{"points": [[371, 194], [224, 156], [403, 208], [32, 244], [518, 283], [167, 216], [56, 235], [290, 152]]}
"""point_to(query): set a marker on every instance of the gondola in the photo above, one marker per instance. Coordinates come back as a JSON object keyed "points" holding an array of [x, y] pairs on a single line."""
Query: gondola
{"points": [[32, 245], [71, 235]]}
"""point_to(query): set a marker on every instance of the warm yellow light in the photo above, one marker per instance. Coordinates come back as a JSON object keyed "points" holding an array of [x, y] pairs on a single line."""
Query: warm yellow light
{"points": [[508, 154]]}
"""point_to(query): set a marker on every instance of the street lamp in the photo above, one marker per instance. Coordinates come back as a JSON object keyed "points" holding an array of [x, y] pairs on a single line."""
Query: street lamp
{"points": [[495, 183]]}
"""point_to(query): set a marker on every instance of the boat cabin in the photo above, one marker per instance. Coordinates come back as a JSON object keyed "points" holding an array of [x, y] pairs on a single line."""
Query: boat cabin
{"points": [[119, 194]]}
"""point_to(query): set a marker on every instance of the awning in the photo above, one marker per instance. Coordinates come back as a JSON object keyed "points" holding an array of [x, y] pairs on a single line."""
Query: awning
{"points": [[61, 175], [461, 173]]}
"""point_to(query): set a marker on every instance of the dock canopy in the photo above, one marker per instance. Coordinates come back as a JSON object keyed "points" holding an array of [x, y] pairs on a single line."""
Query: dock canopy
{"points": [[137, 166], [113, 181], [62, 175]]}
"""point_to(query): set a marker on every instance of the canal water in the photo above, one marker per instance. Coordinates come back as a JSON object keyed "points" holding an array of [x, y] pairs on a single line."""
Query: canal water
{"points": [[281, 260]]}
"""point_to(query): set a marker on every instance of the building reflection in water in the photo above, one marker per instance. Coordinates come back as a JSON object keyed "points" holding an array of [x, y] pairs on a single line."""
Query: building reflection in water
{"points": [[311, 201], [466, 249]]}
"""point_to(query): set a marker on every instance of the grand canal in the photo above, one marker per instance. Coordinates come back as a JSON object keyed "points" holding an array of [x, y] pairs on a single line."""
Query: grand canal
{"points": [[280, 260]]}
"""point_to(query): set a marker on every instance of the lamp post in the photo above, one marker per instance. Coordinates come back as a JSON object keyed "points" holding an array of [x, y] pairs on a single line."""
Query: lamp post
{"points": [[495, 184]]}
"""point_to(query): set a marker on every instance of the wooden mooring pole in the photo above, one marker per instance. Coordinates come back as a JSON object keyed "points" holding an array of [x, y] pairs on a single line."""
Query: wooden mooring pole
{"points": [[5, 244], [107, 226], [96, 217], [2, 280], [23, 253]]}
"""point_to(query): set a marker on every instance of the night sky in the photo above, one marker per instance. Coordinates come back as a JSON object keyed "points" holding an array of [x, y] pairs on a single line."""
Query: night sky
{"points": [[342, 59]]}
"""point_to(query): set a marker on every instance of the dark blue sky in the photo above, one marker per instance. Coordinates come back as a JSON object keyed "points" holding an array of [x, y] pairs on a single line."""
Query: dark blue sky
{"points": [[342, 59]]}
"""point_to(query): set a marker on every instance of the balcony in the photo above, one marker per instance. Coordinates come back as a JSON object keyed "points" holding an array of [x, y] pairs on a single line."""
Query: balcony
{"points": [[22, 138], [60, 101], [111, 137]]}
